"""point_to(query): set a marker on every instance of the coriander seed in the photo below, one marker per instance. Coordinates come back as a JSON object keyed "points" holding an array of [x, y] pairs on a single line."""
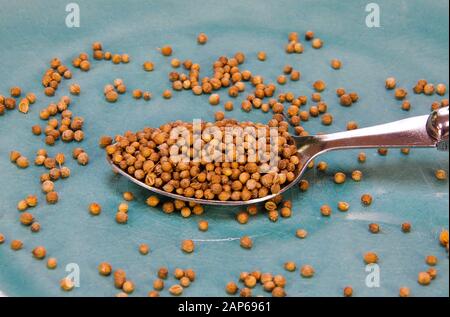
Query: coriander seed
{"points": [[404, 292], [374, 228], [187, 246], [39, 252], [203, 225], [366, 199], [339, 178], [176, 290], [128, 287], [406, 227], [121, 217], [307, 271], [343, 206], [370, 257], [348, 291], [158, 284], [66, 284], [440, 174], [16, 245], [246, 242], [95, 209], [52, 263], [202, 38], [431, 260], [231, 288], [144, 249], [424, 278], [104, 269], [325, 210], [390, 83], [357, 175], [336, 64], [166, 50], [290, 266], [26, 218]]}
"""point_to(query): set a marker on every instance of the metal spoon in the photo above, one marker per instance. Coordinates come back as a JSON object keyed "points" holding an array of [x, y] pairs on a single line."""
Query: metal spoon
{"points": [[428, 131]]}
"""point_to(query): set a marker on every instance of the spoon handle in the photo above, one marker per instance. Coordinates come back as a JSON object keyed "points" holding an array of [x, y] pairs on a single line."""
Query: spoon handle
{"points": [[422, 131]]}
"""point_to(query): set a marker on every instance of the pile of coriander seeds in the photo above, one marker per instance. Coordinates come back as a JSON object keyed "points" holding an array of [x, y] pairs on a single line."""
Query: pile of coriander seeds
{"points": [[151, 156]]}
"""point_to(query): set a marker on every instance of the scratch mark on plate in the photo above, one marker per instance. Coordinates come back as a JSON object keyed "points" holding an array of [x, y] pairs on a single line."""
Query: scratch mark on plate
{"points": [[225, 239]]}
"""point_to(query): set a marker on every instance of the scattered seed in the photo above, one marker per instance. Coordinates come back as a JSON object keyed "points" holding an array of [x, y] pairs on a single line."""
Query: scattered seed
{"points": [[370, 257], [128, 287], [214, 99], [441, 89], [362, 157], [16, 245], [246, 242], [202, 38], [35, 227], [121, 217], [443, 238], [390, 83], [343, 206], [144, 249], [357, 175], [166, 50], [325, 210], [401, 93], [104, 269], [95, 209], [307, 271], [153, 294], [231, 288], [432, 272], [176, 290], [119, 278], [52, 263], [440, 174], [203, 225], [148, 66], [187, 246], [424, 278], [39, 252], [26, 218], [152, 201], [348, 291], [406, 227], [290, 266], [431, 260], [301, 233], [366, 199], [374, 228], [317, 43], [158, 284], [336, 64], [303, 185], [66, 284], [339, 178], [404, 292]]}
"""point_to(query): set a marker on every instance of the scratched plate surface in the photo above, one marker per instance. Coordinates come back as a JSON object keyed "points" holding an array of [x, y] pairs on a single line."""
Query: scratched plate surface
{"points": [[412, 43]]}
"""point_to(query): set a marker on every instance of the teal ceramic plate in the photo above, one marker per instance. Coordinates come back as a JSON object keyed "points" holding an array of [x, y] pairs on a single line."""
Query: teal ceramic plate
{"points": [[411, 43]]}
